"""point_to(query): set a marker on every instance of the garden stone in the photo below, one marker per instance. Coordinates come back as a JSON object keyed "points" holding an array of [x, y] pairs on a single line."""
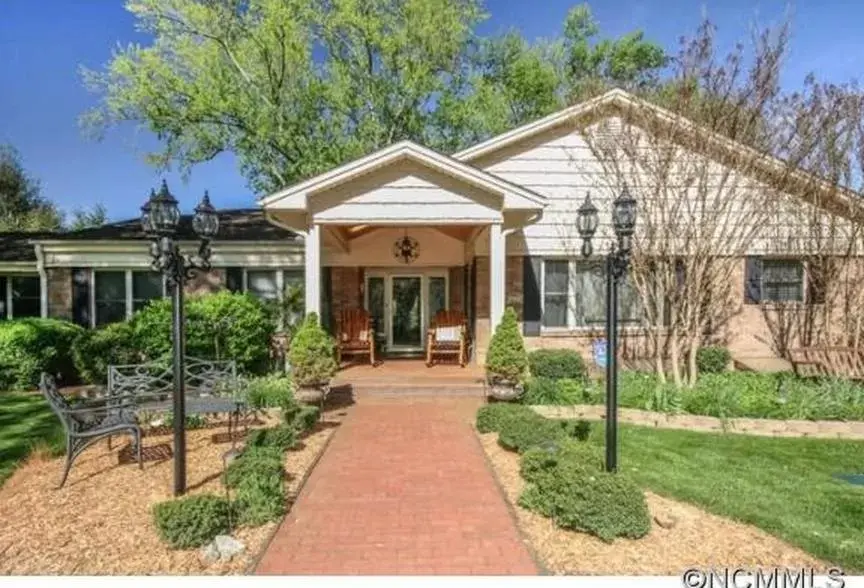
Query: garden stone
{"points": [[222, 548], [666, 520]]}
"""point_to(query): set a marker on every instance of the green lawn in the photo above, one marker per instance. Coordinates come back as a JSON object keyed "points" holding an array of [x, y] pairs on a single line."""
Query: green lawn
{"points": [[781, 485], [25, 421]]}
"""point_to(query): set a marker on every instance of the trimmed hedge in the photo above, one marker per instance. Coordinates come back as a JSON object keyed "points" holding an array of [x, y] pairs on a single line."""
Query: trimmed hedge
{"points": [[282, 437], [712, 359], [523, 432], [191, 521], [565, 477], [222, 325], [31, 346], [491, 417], [557, 364], [578, 497], [93, 351]]}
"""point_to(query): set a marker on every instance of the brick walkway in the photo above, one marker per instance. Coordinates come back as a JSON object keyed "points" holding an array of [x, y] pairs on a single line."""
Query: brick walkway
{"points": [[403, 488]]}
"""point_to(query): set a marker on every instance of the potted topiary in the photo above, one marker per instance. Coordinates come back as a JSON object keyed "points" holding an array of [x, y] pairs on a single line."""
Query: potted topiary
{"points": [[506, 359], [312, 357]]}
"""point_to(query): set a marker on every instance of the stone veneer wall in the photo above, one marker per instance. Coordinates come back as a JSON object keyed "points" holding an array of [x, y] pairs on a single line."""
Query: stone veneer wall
{"points": [[766, 427], [59, 292]]}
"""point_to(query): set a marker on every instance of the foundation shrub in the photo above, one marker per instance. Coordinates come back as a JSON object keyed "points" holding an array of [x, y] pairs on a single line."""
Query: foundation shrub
{"points": [[192, 521]]}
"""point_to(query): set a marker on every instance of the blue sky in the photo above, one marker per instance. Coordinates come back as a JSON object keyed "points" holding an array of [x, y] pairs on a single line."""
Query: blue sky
{"points": [[43, 44]]}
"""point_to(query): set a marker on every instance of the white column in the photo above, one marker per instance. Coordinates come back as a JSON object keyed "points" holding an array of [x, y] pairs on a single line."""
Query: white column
{"points": [[312, 251], [497, 265]]}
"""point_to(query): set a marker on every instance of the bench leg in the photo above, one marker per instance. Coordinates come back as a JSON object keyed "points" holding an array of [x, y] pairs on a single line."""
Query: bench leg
{"points": [[137, 436], [69, 458]]}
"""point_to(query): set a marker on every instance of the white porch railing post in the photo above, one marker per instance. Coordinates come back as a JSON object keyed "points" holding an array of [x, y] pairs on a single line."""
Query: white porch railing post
{"points": [[312, 253], [497, 265]]}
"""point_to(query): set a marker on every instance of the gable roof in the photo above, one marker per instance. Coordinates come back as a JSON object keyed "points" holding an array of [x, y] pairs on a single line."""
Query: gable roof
{"points": [[295, 196], [622, 102]]}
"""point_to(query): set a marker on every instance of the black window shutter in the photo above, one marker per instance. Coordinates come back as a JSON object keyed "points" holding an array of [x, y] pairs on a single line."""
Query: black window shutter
{"points": [[234, 279], [4, 312], [815, 283], [752, 280], [532, 307], [81, 296]]}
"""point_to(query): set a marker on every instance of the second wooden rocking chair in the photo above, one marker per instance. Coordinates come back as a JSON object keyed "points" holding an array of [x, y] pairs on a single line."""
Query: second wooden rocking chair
{"points": [[448, 335]]}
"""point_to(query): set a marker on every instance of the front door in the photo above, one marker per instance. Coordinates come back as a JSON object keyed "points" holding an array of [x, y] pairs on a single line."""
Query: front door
{"points": [[406, 312], [402, 305]]}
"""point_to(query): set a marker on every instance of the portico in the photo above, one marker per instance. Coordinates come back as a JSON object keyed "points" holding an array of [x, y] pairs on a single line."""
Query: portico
{"points": [[399, 232]]}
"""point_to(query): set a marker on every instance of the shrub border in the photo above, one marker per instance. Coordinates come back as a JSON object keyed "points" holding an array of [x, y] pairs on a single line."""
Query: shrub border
{"points": [[738, 425]]}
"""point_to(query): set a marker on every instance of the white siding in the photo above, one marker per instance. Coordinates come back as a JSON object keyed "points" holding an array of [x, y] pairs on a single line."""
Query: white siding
{"points": [[563, 167], [405, 193]]}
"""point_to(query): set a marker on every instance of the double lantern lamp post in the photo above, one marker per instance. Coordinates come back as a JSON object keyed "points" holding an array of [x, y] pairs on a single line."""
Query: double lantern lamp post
{"points": [[160, 219], [616, 264]]}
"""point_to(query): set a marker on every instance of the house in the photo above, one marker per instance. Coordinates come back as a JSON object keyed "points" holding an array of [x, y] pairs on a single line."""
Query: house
{"points": [[406, 231]]}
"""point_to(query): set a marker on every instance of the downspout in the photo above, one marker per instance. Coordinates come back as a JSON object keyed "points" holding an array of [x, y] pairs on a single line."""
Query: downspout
{"points": [[43, 280]]}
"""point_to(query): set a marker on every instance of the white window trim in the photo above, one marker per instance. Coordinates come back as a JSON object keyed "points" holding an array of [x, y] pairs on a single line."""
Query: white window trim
{"points": [[572, 327], [130, 305], [804, 280], [10, 310]]}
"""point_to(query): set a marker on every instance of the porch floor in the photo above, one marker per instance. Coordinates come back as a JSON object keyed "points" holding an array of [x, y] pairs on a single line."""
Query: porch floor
{"points": [[401, 376]]}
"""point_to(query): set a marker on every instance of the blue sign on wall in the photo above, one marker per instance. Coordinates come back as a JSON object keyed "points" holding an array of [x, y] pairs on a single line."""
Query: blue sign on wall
{"points": [[599, 349]]}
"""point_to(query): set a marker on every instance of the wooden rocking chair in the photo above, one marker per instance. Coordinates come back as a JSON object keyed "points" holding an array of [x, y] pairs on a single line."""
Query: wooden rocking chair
{"points": [[355, 335], [448, 335]]}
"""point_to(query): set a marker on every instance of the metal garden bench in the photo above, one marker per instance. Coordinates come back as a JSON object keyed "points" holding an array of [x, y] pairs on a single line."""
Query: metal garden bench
{"points": [[87, 421], [212, 387]]}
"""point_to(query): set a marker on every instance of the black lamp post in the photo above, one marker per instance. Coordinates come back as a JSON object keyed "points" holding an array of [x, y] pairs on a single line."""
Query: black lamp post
{"points": [[160, 217], [617, 261]]}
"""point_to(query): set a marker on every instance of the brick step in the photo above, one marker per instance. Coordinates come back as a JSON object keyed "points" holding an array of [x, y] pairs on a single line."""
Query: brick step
{"points": [[409, 389]]}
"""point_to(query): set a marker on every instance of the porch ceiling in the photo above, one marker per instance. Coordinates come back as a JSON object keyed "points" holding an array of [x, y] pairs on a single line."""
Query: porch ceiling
{"points": [[348, 233]]}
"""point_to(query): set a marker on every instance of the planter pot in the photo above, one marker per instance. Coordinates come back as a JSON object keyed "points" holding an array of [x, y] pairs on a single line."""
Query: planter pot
{"points": [[312, 394], [503, 390]]}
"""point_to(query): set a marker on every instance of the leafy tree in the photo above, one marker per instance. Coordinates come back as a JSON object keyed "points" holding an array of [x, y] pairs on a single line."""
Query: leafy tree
{"points": [[629, 61], [83, 218], [22, 208], [291, 86], [294, 87]]}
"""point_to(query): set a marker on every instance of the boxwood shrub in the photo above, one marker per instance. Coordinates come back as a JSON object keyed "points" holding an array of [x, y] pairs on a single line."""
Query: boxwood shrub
{"points": [[523, 433], [566, 482], [31, 346], [192, 521], [94, 350], [603, 504], [557, 364], [491, 417], [712, 359]]}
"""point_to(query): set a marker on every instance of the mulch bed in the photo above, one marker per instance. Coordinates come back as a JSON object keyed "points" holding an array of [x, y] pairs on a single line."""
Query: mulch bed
{"points": [[697, 539], [100, 522]]}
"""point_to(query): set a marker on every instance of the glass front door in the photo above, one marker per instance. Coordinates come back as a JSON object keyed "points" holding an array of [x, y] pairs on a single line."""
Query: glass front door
{"points": [[406, 305], [403, 305]]}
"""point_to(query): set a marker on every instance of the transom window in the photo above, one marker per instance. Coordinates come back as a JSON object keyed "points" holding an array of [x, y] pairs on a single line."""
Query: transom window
{"points": [[574, 295], [782, 280]]}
